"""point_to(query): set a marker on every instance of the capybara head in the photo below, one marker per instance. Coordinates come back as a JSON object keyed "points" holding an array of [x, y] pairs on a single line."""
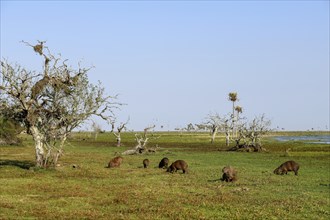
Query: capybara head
{"points": [[115, 162], [145, 163], [164, 163], [284, 168], [178, 165], [229, 174]]}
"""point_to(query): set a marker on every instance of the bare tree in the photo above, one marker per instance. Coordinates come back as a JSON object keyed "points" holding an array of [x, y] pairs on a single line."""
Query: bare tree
{"points": [[226, 128], [52, 103], [214, 123], [252, 133], [96, 129], [117, 134], [190, 127], [202, 127], [142, 141], [257, 129]]}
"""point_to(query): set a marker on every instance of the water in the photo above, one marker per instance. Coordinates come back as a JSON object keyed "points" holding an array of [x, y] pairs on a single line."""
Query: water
{"points": [[315, 139]]}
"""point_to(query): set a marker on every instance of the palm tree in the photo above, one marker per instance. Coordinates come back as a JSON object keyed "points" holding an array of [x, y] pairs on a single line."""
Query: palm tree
{"points": [[238, 110], [233, 98]]}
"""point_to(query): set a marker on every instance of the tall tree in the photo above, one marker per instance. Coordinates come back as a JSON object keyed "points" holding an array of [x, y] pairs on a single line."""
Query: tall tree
{"points": [[117, 134], [232, 96], [52, 103]]}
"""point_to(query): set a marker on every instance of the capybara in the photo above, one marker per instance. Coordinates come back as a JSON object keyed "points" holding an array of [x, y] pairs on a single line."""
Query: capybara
{"points": [[115, 162], [164, 163], [178, 165], [145, 163], [287, 166], [229, 174]]}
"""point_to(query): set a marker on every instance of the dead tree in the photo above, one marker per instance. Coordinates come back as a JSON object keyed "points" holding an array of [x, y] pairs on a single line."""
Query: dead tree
{"points": [[117, 134], [226, 128], [257, 129], [213, 123], [142, 141], [96, 129], [251, 135]]}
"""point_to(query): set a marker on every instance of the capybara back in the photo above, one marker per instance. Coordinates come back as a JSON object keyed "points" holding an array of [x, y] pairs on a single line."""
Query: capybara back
{"points": [[164, 163], [145, 163], [115, 162], [284, 168], [229, 174], [178, 165]]}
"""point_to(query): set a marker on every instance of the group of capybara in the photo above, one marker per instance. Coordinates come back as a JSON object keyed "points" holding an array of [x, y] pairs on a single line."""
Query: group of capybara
{"points": [[229, 174], [164, 164]]}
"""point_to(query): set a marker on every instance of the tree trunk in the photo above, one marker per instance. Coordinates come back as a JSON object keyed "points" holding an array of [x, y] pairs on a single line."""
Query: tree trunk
{"points": [[95, 135], [227, 138], [59, 152], [118, 141], [233, 120], [214, 133], [38, 141]]}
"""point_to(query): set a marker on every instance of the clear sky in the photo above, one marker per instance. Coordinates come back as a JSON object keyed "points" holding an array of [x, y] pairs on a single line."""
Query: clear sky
{"points": [[174, 62]]}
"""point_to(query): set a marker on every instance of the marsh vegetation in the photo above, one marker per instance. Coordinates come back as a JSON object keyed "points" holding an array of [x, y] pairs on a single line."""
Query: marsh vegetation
{"points": [[81, 188]]}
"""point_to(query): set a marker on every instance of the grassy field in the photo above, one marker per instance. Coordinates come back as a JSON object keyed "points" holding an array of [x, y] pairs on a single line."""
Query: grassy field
{"points": [[131, 192]]}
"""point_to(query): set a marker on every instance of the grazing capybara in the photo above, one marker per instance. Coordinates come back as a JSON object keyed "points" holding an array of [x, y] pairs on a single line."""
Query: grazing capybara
{"points": [[178, 165], [115, 162], [145, 163], [164, 163], [229, 174], [287, 166]]}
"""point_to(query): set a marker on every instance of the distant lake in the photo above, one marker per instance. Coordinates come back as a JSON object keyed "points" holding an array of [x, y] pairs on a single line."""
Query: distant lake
{"points": [[315, 139]]}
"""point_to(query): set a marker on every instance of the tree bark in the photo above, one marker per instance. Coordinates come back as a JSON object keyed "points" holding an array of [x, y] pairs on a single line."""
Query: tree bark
{"points": [[118, 141], [227, 138], [39, 146], [214, 133]]}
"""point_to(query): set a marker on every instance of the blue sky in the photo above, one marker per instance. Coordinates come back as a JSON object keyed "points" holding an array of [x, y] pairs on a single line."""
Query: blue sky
{"points": [[173, 62]]}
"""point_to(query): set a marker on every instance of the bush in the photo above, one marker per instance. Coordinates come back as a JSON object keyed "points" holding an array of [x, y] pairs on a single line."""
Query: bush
{"points": [[9, 130]]}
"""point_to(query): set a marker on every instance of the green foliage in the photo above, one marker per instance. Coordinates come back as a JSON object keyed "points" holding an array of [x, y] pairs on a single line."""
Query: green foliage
{"points": [[132, 192], [9, 130]]}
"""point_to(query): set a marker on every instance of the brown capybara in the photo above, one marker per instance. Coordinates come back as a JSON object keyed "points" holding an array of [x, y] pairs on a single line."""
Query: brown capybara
{"points": [[115, 162], [178, 165], [164, 163], [287, 166], [145, 163], [229, 174]]}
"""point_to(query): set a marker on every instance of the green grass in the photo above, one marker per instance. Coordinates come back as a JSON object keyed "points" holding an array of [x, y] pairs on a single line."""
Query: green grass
{"points": [[131, 192]]}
